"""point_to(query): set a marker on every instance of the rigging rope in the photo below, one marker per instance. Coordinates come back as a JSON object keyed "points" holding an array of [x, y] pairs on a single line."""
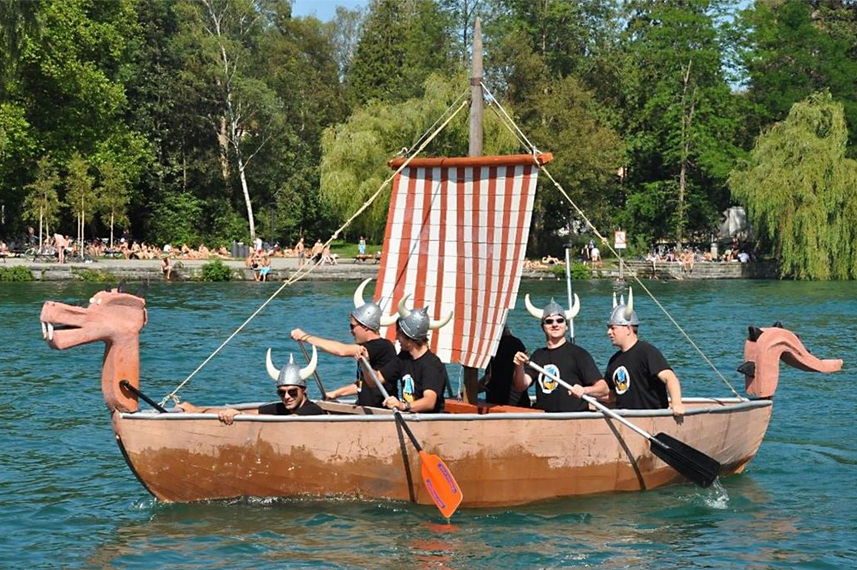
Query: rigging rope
{"points": [[532, 148], [301, 273]]}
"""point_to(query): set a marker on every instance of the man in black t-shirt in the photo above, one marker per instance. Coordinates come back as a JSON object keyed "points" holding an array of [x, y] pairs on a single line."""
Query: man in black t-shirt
{"points": [[568, 361], [421, 372], [291, 388], [638, 374], [365, 321]]}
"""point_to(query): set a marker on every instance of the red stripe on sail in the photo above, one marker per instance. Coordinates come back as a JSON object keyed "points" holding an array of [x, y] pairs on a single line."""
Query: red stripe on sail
{"points": [[472, 293], [388, 235], [423, 261], [437, 309], [498, 305], [404, 247], [491, 277], [519, 228]]}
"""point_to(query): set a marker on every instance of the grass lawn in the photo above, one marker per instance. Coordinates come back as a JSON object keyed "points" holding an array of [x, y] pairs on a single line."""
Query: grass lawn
{"points": [[347, 249]]}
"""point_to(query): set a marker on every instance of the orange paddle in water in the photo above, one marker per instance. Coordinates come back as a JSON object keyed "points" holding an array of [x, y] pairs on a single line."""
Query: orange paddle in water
{"points": [[437, 477]]}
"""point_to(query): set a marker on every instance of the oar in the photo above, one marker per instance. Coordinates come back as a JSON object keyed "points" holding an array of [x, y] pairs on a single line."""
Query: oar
{"points": [[568, 285], [437, 477], [314, 372], [690, 462]]}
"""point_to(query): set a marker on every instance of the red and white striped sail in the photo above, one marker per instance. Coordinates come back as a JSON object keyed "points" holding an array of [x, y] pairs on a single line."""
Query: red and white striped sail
{"points": [[455, 241]]}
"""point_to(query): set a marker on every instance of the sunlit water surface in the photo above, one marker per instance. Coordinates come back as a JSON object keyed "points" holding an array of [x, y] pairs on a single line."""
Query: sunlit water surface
{"points": [[69, 500]]}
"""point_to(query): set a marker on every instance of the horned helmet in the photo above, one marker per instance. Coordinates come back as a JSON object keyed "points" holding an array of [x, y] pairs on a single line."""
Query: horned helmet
{"points": [[369, 314], [291, 374], [552, 308], [623, 314], [416, 324]]}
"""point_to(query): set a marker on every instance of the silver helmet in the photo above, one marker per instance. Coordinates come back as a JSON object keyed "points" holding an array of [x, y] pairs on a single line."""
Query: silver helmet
{"points": [[623, 314], [369, 314], [416, 324], [552, 308], [291, 374]]}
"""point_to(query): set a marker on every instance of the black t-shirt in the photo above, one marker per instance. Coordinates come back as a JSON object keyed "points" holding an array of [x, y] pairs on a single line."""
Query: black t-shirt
{"points": [[309, 408], [499, 390], [425, 373], [571, 363], [633, 375], [382, 356]]}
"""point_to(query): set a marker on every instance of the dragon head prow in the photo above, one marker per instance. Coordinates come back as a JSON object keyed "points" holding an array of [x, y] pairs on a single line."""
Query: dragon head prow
{"points": [[763, 351], [113, 317]]}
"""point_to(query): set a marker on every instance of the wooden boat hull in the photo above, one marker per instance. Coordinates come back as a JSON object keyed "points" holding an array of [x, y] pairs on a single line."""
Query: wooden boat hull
{"points": [[497, 459]]}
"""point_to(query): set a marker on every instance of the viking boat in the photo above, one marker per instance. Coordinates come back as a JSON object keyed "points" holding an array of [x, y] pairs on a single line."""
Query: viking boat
{"points": [[456, 236]]}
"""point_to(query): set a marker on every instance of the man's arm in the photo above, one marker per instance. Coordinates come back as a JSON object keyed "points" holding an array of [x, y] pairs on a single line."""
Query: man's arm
{"points": [[347, 390], [226, 416], [333, 347], [521, 380], [599, 390], [669, 378], [424, 404]]}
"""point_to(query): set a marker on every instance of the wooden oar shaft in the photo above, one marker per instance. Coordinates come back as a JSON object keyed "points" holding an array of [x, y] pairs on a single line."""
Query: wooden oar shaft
{"points": [[367, 368], [314, 372], [601, 407]]}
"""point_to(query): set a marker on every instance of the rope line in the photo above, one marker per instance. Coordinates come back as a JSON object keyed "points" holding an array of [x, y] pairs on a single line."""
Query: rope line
{"points": [[523, 139], [301, 272]]}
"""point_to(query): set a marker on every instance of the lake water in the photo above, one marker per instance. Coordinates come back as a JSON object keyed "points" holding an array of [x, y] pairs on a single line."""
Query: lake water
{"points": [[69, 499]]}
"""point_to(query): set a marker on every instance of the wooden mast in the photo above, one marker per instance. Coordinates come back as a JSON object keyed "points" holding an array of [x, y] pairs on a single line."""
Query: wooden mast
{"points": [[471, 375]]}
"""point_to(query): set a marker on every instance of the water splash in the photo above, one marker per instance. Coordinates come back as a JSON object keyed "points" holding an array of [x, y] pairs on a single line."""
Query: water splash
{"points": [[716, 496]]}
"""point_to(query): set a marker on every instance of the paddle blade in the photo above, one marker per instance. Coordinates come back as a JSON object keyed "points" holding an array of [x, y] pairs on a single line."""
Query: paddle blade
{"points": [[440, 484], [690, 462]]}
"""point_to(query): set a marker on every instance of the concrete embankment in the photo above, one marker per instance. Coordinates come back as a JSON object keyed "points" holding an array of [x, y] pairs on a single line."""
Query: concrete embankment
{"points": [[349, 269]]}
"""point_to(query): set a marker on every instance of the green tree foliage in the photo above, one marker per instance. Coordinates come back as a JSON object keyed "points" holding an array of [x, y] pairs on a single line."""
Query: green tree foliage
{"points": [[792, 48], [681, 119], [41, 203], [174, 220], [356, 152], [402, 42], [113, 196], [80, 197], [799, 191]]}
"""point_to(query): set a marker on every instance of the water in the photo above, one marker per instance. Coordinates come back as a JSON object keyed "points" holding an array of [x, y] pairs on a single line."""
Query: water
{"points": [[69, 500]]}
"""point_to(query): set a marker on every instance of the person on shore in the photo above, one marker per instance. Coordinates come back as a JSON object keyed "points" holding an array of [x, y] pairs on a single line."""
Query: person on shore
{"points": [[568, 361], [499, 374], [167, 268], [421, 372], [638, 374], [365, 322], [60, 243], [264, 268], [291, 389], [317, 251], [301, 251], [361, 246]]}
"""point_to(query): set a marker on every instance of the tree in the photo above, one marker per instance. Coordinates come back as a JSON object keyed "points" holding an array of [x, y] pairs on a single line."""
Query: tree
{"points": [[41, 202], [799, 191], [80, 197], [246, 111], [113, 196]]}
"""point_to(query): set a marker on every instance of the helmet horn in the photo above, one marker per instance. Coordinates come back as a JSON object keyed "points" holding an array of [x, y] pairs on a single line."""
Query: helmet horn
{"points": [[433, 325], [615, 303], [273, 372], [307, 371], [629, 308], [575, 308], [358, 294], [536, 313], [403, 310]]}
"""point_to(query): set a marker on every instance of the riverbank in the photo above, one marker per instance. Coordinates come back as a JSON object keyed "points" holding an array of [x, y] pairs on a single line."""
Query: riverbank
{"points": [[350, 269]]}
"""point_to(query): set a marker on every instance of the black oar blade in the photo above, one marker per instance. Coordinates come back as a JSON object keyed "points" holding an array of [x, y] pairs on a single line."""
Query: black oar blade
{"points": [[692, 463]]}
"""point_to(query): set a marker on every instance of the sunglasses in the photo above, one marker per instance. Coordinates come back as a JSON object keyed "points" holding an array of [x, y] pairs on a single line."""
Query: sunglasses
{"points": [[291, 392], [558, 320], [353, 326]]}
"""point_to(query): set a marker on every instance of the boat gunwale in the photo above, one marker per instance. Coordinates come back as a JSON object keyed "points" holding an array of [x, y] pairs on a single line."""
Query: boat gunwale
{"points": [[727, 405]]}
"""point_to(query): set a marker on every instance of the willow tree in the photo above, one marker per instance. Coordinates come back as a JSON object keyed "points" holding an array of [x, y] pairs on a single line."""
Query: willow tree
{"points": [[799, 190], [355, 153], [41, 202]]}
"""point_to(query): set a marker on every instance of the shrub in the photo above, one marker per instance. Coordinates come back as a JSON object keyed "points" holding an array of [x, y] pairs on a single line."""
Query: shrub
{"points": [[216, 271], [16, 273], [578, 271], [93, 275]]}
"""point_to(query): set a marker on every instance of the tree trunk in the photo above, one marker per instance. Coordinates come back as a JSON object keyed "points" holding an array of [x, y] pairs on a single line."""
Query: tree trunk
{"points": [[247, 201], [223, 143], [686, 121], [41, 211], [112, 216]]}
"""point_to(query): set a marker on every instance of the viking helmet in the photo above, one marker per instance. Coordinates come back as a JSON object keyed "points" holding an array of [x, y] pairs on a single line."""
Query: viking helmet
{"points": [[416, 324], [552, 308], [369, 314], [623, 314], [291, 374]]}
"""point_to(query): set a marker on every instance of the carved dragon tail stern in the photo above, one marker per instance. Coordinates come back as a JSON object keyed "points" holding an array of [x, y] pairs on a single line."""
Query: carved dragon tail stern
{"points": [[763, 351]]}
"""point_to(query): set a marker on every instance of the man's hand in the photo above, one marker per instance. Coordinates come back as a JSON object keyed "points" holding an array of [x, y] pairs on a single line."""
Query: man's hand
{"points": [[677, 408], [227, 416], [298, 334], [520, 358], [328, 396], [577, 391], [189, 408], [393, 403], [361, 352]]}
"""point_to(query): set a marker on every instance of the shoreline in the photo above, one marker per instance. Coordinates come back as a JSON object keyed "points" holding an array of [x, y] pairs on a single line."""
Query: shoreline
{"points": [[282, 268]]}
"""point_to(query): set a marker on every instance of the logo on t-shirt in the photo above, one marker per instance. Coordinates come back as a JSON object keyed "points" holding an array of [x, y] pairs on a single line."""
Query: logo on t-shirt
{"points": [[408, 390], [359, 379], [621, 379], [547, 384]]}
